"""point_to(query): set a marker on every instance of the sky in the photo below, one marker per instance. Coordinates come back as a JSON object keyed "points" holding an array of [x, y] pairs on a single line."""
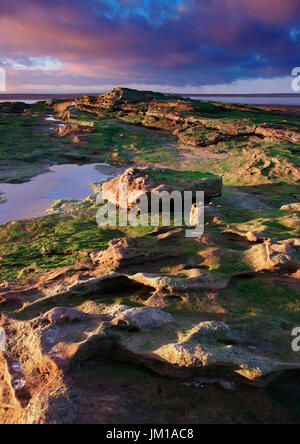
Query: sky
{"points": [[185, 46]]}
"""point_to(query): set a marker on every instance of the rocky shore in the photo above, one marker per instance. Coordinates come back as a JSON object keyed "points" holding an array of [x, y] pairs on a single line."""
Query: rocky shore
{"points": [[142, 321]]}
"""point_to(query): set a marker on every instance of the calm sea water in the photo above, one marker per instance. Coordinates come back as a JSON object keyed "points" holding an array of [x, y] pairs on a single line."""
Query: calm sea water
{"points": [[288, 99], [29, 102], [253, 100]]}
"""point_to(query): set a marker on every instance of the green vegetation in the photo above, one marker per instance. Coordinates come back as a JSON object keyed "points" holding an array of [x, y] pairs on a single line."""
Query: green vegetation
{"points": [[173, 176], [231, 112], [28, 145], [53, 241], [126, 144], [267, 308]]}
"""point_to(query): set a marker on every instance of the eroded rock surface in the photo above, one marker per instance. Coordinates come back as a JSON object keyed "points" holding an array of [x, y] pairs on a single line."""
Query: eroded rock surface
{"points": [[64, 338], [271, 256], [291, 207], [144, 181]]}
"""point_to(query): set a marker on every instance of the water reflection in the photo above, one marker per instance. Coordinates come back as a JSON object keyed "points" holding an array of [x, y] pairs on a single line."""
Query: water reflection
{"points": [[31, 199]]}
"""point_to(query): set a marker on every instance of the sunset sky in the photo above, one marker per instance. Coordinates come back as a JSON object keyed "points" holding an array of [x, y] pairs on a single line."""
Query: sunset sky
{"points": [[194, 46]]}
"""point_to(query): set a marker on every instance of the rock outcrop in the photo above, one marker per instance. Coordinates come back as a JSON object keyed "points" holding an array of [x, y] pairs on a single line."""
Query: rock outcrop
{"points": [[120, 253], [147, 181], [291, 207], [74, 130], [273, 256], [65, 338], [174, 113], [275, 133], [141, 319], [61, 107]]}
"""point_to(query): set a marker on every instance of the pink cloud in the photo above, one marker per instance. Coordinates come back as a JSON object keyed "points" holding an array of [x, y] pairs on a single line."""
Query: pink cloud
{"points": [[182, 8], [272, 12]]}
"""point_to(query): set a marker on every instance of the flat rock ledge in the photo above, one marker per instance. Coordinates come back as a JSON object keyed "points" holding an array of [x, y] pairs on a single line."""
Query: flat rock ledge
{"points": [[63, 338]]}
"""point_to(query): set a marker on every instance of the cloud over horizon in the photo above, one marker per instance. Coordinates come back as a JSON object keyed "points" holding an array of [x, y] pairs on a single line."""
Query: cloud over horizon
{"points": [[172, 45]]}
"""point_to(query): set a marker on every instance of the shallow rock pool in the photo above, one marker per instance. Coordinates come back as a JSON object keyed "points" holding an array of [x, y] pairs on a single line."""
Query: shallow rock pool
{"points": [[31, 199]]}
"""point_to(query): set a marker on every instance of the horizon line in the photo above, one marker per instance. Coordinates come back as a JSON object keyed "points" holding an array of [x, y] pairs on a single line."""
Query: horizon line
{"points": [[4, 93]]}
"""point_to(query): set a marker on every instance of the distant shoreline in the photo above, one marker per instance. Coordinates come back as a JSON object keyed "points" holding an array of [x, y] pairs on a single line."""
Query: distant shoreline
{"points": [[294, 97], [291, 95], [11, 97], [67, 95]]}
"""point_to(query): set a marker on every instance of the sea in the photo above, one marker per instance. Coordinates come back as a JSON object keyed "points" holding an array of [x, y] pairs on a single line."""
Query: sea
{"points": [[290, 100]]}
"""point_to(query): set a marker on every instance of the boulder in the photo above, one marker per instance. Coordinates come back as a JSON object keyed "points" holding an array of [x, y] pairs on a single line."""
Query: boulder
{"points": [[203, 356], [63, 106], [209, 331], [144, 181], [272, 256], [291, 207], [137, 181], [140, 318], [62, 315], [250, 236], [74, 130], [121, 252], [280, 255]]}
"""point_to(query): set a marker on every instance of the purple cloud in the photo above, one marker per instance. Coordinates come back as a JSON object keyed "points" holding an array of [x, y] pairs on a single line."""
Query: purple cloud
{"points": [[72, 44]]}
